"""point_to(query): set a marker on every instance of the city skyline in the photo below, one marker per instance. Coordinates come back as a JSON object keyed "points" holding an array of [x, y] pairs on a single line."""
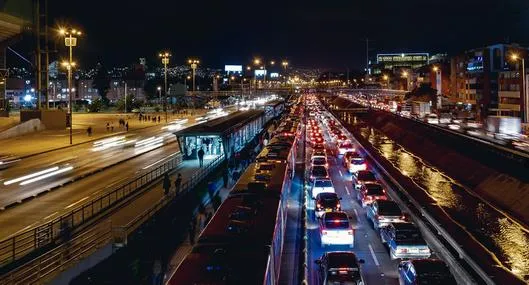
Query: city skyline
{"points": [[308, 34]]}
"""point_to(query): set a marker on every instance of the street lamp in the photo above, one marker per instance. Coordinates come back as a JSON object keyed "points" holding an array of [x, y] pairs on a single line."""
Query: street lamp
{"points": [[70, 40], [185, 81], [165, 61], [69, 65], [525, 111], [159, 88], [405, 75], [386, 78], [194, 64]]}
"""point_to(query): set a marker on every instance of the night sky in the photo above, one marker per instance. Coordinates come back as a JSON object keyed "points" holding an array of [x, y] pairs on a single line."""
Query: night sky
{"points": [[326, 34]]}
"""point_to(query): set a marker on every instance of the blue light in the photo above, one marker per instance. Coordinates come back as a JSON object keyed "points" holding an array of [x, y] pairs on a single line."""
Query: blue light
{"points": [[27, 98]]}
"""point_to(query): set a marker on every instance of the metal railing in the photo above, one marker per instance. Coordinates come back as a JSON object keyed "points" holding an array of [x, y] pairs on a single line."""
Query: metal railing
{"points": [[44, 268], [121, 233], [47, 266], [50, 234]]}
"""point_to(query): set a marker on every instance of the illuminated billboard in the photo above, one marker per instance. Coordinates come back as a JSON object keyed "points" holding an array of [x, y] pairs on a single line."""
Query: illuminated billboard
{"points": [[260, 72], [274, 75], [233, 68]]}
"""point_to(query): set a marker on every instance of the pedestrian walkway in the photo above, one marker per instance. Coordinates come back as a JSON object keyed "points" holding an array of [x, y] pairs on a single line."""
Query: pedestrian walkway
{"points": [[47, 140], [185, 248]]}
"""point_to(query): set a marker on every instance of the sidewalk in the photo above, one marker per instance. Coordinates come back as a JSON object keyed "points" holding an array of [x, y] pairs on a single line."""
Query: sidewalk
{"points": [[48, 140]]}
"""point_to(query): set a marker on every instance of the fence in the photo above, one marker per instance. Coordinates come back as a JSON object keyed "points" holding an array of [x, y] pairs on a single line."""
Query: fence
{"points": [[48, 265], [52, 232], [121, 233]]}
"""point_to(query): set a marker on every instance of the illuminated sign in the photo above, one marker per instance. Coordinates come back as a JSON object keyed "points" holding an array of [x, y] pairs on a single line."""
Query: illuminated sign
{"points": [[476, 64], [403, 57], [260, 72], [274, 75], [233, 68]]}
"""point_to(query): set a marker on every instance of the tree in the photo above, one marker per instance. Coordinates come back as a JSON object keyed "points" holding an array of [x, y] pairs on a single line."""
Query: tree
{"points": [[101, 82], [132, 103], [96, 106]]}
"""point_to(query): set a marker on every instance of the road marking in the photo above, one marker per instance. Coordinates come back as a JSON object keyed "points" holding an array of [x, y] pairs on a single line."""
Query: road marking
{"points": [[148, 166], [373, 255], [73, 204], [27, 227], [347, 190], [47, 217], [341, 174], [356, 213]]}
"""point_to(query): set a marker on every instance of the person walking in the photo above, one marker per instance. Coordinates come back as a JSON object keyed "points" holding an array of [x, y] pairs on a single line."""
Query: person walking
{"points": [[89, 131], [158, 119], [127, 126], [108, 127], [201, 156], [166, 184], [178, 182]]}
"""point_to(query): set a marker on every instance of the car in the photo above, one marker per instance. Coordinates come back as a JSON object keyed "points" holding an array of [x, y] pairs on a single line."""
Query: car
{"points": [[318, 160], [340, 267], [404, 240], [322, 185], [355, 163], [383, 212], [344, 147], [370, 192], [346, 156], [341, 138], [319, 153], [8, 161], [318, 147], [432, 119], [326, 202], [335, 229], [425, 271], [360, 177]]}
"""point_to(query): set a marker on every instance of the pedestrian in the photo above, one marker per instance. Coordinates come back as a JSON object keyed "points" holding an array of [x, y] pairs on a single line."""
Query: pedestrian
{"points": [[112, 127], [149, 117], [178, 182], [127, 126], [140, 117], [108, 127], [158, 119], [192, 228], [201, 157], [166, 184], [89, 131]]}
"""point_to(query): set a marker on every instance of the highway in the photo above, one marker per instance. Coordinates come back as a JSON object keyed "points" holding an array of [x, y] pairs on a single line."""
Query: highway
{"points": [[40, 173], [378, 267]]}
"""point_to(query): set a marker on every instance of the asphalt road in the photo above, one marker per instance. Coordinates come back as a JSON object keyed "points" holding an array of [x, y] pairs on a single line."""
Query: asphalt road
{"points": [[378, 267]]}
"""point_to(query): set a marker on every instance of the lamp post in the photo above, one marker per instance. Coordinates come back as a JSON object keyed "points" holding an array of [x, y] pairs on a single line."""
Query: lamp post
{"points": [[165, 61], [194, 64], [70, 40], [285, 66], [69, 66], [525, 110], [185, 81], [386, 78], [159, 88]]}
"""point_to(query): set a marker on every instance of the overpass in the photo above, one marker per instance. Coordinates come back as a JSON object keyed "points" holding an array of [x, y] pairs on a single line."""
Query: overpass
{"points": [[15, 15]]}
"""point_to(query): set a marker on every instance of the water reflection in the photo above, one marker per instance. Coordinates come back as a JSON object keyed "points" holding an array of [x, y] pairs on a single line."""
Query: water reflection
{"points": [[500, 235]]}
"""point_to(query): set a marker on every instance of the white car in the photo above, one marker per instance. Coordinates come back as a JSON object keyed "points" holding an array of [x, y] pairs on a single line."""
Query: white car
{"points": [[345, 147], [322, 186], [335, 229], [432, 119]]}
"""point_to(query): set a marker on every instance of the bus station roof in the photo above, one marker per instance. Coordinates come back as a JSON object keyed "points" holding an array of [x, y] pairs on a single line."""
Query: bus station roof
{"points": [[221, 126]]}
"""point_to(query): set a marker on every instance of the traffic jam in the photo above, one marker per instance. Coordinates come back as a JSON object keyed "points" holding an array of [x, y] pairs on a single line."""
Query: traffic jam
{"points": [[356, 233]]}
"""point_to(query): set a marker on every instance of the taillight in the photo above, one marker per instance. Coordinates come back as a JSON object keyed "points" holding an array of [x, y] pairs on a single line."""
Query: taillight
{"points": [[402, 250], [338, 206], [318, 205], [323, 232], [326, 165], [311, 177], [350, 232], [403, 217]]}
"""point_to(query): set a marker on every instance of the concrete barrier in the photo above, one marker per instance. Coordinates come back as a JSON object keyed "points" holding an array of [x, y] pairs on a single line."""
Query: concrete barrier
{"points": [[33, 125]]}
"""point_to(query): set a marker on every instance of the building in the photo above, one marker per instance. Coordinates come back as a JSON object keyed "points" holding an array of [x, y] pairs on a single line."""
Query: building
{"points": [[476, 74], [393, 62]]}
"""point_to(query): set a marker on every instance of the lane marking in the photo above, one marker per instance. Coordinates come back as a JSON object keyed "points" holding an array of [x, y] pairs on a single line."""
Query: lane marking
{"points": [[154, 163], [341, 174], [27, 227], [49, 216], [373, 255], [347, 190], [75, 203], [356, 213]]}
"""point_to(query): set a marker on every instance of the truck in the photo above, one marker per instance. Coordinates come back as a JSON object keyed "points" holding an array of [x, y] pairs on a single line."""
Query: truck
{"points": [[503, 126], [420, 109]]}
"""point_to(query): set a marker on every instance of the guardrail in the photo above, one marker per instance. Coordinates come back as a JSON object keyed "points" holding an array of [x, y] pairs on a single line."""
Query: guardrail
{"points": [[51, 233], [305, 246], [455, 264], [45, 267], [121, 233]]}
